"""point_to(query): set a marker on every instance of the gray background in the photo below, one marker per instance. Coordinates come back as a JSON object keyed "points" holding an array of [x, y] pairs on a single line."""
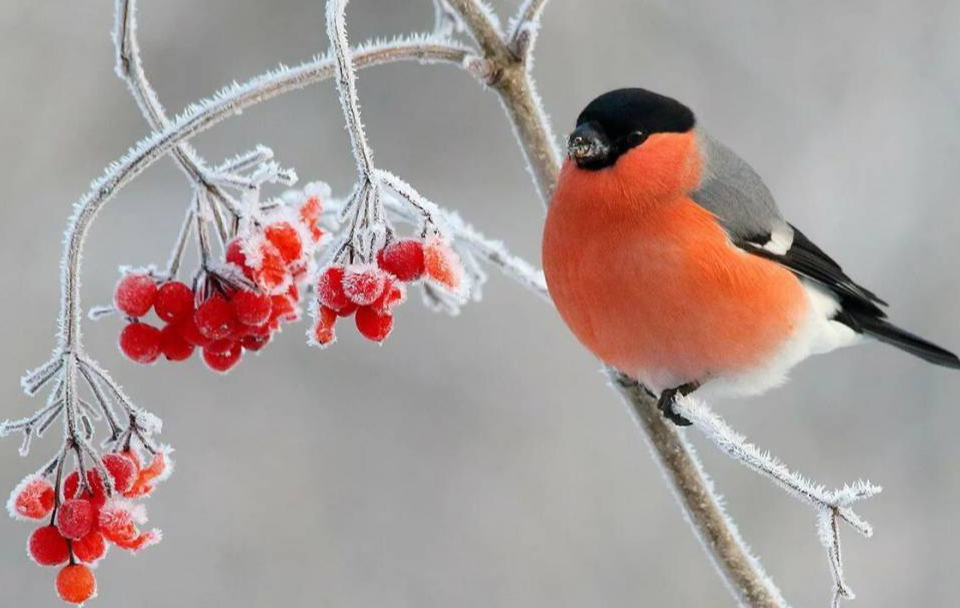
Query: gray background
{"points": [[480, 461]]}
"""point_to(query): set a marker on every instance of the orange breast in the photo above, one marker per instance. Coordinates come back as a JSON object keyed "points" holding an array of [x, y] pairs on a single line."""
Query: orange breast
{"points": [[655, 288]]}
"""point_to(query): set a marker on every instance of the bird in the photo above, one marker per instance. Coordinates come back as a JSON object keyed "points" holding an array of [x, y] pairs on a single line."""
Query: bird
{"points": [[668, 258]]}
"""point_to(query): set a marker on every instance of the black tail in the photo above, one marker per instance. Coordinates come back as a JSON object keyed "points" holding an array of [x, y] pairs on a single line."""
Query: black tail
{"points": [[890, 334]]}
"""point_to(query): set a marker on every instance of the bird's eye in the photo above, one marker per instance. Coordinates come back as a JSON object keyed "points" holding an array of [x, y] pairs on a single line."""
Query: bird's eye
{"points": [[636, 138]]}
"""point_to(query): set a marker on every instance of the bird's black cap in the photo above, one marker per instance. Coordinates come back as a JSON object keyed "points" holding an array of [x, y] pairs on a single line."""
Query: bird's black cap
{"points": [[621, 119]]}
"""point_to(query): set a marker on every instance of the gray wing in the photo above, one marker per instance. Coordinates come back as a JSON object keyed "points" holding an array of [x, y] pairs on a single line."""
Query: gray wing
{"points": [[735, 194], [732, 191]]}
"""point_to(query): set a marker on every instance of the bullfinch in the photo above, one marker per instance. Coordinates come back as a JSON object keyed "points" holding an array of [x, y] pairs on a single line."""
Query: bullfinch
{"points": [[668, 258]]}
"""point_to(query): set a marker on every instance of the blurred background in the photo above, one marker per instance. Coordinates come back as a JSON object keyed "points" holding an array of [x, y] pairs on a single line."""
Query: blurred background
{"points": [[481, 461]]}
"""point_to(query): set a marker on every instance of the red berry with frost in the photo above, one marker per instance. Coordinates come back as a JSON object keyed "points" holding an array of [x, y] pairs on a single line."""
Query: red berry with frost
{"points": [[271, 274], [76, 584], [122, 470], [189, 331], [214, 318], [363, 284], [76, 518], [251, 308], [33, 498], [442, 264], [174, 301], [394, 293], [222, 361], [254, 343], [91, 548], [403, 259], [72, 483], [135, 294], [48, 547], [330, 288], [323, 332], [140, 342], [309, 215], [374, 325], [173, 345], [286, 239], [234, 255]]}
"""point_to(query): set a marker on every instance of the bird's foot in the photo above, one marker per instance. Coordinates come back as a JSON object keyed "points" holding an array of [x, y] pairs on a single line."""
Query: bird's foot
{"points": [[668, 399]]}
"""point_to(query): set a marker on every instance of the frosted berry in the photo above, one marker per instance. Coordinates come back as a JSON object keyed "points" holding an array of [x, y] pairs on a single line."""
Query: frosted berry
{"points": [[402, 259], [76, 518], [174, 302], [394, 293], [363, 284], [442, 264], [323, 332], [214, 318], [33, 498], [254, 343], [76, 584], [310, 214], [173, 345], [251, 308], [374, 325], [48, 547], [286, 239], [223, 361], [330, 289], [189, 331], [271, 274], [72, 483], [91, 548], [122, 470], [234, 255], [140, 342], [135, 294]]}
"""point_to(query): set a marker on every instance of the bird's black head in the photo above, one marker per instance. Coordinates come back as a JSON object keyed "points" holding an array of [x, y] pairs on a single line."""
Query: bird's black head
{"points": [[620, 120]]}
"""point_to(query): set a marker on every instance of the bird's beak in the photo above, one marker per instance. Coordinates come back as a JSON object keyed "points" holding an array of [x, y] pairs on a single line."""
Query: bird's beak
{"points": [[588, 147]]}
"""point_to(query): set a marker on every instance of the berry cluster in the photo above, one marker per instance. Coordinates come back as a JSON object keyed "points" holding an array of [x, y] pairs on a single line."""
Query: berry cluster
{"points": [[233, 309], [85, 517], [371, 292]]}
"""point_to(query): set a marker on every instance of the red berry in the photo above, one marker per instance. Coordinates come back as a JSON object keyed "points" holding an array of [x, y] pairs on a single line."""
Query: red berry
{"points": [[91, 548], [173, 344], [121, 469], [135, 294], [214, 318], [442, 264], [48, 547], [254, 343], [76, 517], [323, 331], [363, 284], [234, 255], [393, 295], [72, 483], [189, 331], [76, 584], [140, 342], [33, 498], [286, 239], [330, 288], [222, 362], [271, 274], [373, 325], [402, 259], [174, 302], [310, 214], [251, 308]]}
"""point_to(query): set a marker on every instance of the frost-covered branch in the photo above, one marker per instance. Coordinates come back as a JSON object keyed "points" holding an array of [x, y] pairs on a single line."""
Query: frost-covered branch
{"points": [[509, 75], [525, 27], [830, 506]]}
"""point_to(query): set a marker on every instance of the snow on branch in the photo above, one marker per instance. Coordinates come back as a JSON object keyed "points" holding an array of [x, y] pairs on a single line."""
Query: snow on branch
{"points": [[830, 506]]}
